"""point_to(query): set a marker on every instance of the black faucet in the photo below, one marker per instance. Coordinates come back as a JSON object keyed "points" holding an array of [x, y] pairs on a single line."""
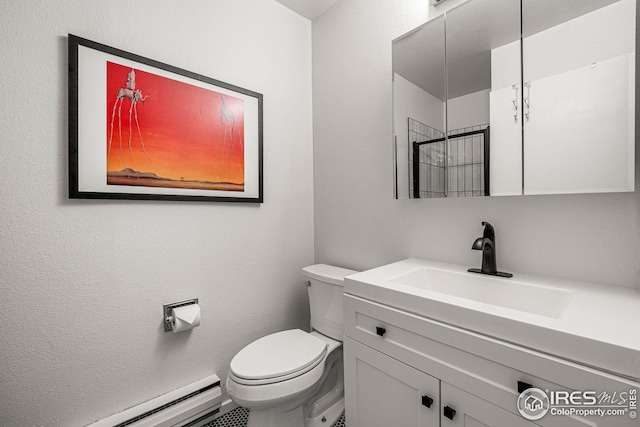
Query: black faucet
{"points": [[487, 244]]}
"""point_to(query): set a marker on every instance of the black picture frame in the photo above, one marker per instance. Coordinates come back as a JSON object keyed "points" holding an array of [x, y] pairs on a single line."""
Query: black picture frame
{"points": [[94, 126]]}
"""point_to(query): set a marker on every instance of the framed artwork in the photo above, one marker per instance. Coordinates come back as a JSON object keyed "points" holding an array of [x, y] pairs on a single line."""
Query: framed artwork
{"points": [[141, 129]]}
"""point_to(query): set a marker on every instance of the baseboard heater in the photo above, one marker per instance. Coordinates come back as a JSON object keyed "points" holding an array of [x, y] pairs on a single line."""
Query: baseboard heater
{"points": [[190, 406]]}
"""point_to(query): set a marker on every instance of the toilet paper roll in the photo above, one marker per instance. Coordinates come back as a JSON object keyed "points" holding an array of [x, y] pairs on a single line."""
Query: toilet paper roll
{"points": [[185, 317]]}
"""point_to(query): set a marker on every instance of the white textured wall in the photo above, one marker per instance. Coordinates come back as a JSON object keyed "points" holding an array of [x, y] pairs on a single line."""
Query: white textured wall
{"points": [[359, 225], [82, 282]]}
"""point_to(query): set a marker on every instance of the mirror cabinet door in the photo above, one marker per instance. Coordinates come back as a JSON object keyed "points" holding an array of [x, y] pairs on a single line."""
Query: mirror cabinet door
{"points": [[484, 137], [419, 96], [579, 95]]}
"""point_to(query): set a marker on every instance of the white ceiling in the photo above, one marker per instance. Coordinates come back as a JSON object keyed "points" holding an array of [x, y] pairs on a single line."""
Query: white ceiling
{"points": [[310, 9]]}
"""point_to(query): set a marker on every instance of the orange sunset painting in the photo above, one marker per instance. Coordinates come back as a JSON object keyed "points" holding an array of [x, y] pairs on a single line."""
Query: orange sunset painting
{"points": [[166, 133]]}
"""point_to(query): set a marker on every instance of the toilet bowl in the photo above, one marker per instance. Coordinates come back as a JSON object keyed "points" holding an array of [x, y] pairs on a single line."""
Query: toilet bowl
{"points": [[276, 396], [295, 378]]}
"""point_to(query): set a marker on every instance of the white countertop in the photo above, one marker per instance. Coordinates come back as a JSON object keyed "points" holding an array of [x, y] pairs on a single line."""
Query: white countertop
{"points": [[598, 327]]}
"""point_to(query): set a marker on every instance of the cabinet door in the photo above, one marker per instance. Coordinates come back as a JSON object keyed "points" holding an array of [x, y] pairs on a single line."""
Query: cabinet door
{"points": [[579, 91], [506, 142], [381, 391], [604, 160], [460, 408]]}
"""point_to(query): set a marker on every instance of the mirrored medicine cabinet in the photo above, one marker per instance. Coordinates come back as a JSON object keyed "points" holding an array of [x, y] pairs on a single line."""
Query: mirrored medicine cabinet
{"points": [[504, 97]]}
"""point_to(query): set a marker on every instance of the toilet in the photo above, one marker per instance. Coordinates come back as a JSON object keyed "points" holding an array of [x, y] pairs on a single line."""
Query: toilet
{"points": [[295, 378]]}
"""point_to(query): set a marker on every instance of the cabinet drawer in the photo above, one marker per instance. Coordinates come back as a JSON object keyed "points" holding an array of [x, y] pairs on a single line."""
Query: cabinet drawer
{"points": [[480, 365]]}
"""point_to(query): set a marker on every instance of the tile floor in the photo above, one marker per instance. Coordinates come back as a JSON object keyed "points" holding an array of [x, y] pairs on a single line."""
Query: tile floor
{"points": [[238, 418]]}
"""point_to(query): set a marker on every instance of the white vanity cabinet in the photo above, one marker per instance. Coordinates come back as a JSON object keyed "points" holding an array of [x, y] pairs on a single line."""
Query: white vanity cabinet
{"points": [[406, 370], [383, 391]]}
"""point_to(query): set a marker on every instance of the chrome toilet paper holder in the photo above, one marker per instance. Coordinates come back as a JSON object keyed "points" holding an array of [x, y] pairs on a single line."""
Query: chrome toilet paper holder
{"points": [[167, 308]]}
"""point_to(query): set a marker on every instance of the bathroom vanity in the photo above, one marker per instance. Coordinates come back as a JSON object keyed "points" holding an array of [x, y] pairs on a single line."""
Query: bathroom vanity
{"points": [[430, 344]]}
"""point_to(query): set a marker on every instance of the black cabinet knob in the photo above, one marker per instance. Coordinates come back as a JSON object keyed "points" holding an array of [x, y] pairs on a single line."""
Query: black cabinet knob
{"points": [[380, 331], [449, 412], [427, 401], [522, 386]]}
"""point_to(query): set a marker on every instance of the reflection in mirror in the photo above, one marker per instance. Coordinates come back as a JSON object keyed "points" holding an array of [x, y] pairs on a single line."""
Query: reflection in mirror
{"points": [[418, 104], [533, 101], [483, 76], [579, 89]]}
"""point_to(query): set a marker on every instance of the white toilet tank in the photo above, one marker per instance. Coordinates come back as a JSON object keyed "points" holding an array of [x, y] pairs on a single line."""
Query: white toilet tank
{"points": [[325, 285]]}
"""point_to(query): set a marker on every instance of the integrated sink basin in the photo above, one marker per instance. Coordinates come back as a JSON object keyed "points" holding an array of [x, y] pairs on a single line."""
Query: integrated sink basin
{"points": [[504, 292], [587, 323]]}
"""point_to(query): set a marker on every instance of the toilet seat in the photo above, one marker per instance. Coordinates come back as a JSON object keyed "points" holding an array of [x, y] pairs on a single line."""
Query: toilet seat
{"points": [[277, 357]]}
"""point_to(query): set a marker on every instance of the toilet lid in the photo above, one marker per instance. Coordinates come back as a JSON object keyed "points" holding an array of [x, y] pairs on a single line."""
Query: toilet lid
{"points": [[278, 355]]}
